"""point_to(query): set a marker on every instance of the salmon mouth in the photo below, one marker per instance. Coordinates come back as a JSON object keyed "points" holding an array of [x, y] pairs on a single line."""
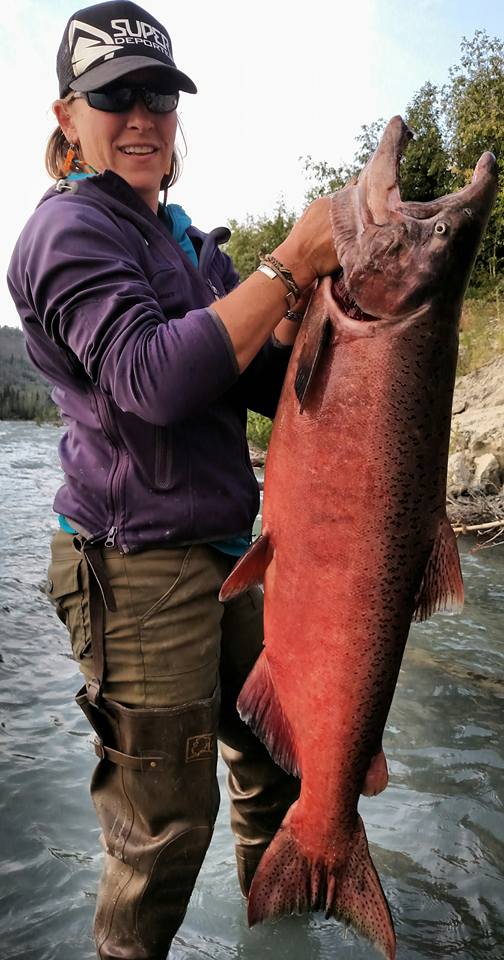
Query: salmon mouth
{"points": [[345, 301]]}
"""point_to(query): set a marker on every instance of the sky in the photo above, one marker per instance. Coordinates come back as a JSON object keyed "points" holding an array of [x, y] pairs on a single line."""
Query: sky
{"points": [[276, 82]]}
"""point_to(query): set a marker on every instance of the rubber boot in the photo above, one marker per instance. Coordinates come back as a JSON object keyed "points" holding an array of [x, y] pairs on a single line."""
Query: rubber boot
{"points": [[156, 795], [260, 792]]}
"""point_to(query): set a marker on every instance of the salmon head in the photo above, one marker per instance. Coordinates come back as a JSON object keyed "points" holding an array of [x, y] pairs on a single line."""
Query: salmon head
{"points": [[395, 256]]}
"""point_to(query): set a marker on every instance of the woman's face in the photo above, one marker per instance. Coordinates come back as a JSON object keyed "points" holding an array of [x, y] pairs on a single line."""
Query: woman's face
{"points": [[114, 141]]}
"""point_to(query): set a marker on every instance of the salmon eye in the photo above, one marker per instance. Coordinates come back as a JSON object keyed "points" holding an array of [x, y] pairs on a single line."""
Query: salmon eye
{"points": [[440, 227]]}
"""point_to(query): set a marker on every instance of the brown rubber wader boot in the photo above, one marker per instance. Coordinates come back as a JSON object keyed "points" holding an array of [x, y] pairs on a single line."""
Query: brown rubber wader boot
{"points": [[260, 795], [156, 796], [260, 791]]}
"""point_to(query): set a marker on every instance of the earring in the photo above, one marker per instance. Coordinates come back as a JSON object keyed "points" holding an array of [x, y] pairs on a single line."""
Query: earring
{"points": [[69, 159]]}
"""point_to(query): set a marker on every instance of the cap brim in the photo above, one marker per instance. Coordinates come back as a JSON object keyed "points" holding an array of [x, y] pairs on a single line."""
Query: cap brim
{"points": [[112, 70]]}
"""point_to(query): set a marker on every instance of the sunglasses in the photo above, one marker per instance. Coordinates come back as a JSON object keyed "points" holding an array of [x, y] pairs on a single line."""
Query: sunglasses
{"points": [[121, 99]]}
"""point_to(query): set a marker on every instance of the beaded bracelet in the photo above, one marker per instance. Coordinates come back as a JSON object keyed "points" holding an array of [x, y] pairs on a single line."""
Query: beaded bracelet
{"points": [[271, 267]]}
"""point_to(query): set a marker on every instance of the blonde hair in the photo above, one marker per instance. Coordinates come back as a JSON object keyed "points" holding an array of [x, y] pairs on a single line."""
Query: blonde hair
{"points": [[58, 145]]}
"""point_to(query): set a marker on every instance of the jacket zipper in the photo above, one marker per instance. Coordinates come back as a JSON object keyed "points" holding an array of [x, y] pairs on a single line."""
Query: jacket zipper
{"points": [[214, 290], [115, 473], [111, 537]]}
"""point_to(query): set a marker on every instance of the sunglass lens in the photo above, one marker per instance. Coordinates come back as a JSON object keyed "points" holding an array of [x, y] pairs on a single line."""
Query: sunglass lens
{"points": [[120, 99], [160, 102], [112, 101]]}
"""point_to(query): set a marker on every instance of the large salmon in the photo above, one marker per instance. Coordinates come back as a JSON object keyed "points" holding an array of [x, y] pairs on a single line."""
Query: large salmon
{"points": [[355, 539]]}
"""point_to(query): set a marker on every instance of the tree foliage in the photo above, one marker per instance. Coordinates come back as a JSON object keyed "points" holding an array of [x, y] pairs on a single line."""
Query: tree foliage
{"points": [[473, 102], [324, 178], [425, 169], [257, 236], [452, 128]]}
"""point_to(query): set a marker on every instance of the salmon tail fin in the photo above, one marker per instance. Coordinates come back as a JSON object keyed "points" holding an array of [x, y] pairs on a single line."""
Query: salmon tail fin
{"points": [[441, 587], [286, 882], [260, 707], [249, 571]]}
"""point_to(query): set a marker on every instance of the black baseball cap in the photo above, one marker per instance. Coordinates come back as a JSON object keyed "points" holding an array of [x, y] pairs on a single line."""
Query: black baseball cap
{"points": [[109, 40]]}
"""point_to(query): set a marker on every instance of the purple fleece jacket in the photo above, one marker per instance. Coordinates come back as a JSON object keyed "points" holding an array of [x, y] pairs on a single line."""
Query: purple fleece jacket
{"points": [[119, 320]]}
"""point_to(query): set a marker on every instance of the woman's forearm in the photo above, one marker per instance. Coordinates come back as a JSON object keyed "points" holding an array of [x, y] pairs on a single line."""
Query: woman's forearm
{"points": [[251, 313], [253, 310]]}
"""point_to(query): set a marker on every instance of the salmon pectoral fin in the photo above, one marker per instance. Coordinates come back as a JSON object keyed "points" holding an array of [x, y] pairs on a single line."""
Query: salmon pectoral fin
{"points": [[287, 881], [249, 571], [441, 587], [317, 337], [259, 706]]}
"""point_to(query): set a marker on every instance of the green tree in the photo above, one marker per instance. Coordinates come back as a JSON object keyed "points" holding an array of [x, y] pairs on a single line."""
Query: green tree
{"points": [[325, 179], [257, 236], [425, 169], [473, 101], [367, 142]]}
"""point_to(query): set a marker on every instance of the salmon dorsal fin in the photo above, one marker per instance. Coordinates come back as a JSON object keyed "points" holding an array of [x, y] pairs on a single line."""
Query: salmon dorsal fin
{"points": [[249, 571], [441, 587], [317, 337], [259, 706]]}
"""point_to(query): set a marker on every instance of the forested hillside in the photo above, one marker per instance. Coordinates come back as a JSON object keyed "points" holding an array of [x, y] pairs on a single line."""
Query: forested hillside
{"points": [[24, 395]]}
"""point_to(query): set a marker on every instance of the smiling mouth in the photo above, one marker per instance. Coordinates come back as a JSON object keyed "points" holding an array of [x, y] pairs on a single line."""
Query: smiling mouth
{"points": [[138, 151]]}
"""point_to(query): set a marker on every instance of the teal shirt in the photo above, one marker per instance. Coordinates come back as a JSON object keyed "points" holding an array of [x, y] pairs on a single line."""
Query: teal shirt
{"points": [[177, 221]]}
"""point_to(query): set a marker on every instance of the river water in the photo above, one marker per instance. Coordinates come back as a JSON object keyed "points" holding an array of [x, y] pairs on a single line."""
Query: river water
{"points": [[436, 834]]}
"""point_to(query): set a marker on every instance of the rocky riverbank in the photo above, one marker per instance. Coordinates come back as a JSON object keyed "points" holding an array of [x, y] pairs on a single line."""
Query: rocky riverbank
{"points": [[475, 486], [476, 463]]}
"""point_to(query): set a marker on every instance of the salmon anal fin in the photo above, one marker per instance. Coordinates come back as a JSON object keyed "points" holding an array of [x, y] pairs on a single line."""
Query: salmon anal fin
{"points": [[286, 882], [249, 571], [377, 775], [317, 337], [441, 587], [260, 707]]}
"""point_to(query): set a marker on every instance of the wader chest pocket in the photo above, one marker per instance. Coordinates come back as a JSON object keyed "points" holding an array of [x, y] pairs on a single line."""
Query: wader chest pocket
{"points": [[69, 596]]}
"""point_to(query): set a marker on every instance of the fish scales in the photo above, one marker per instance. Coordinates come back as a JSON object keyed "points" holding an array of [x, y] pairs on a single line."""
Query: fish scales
{"points": [[355, 539]]}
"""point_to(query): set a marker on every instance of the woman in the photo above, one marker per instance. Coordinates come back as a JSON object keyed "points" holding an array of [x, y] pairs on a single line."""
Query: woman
{"points": [[155, 354]]}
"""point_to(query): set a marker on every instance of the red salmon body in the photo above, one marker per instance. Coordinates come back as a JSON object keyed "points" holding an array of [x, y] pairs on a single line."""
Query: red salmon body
{"points": [[355, 539]]}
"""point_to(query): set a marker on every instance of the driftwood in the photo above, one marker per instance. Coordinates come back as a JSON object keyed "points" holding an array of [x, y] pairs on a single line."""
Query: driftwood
{"points": [[478, 514], [475, 509]]}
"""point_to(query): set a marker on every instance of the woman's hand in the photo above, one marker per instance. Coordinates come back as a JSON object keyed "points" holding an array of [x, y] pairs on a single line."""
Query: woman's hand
{"points": [[309, 250]]}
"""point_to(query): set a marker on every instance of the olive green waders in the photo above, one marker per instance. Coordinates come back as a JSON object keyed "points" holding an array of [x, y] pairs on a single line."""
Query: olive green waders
{"points": [[164, 662]]}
